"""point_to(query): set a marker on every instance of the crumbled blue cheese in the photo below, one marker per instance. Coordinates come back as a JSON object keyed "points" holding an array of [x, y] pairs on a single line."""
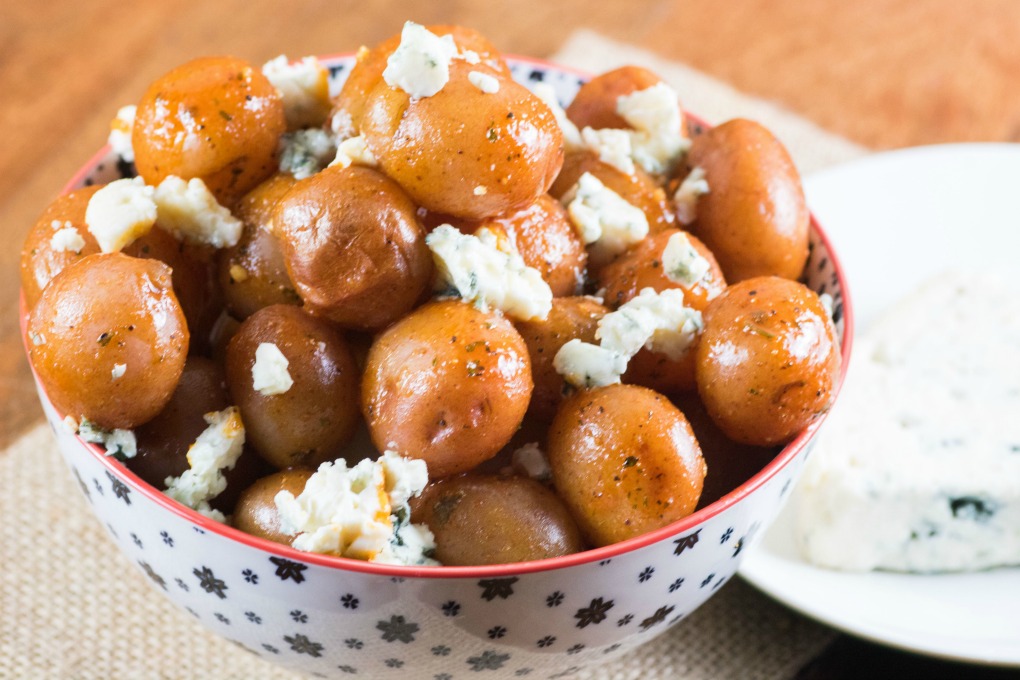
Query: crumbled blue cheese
{"points": [[529, 460], [37, 338], [657, 140], [917, 467], [118, 371], [687, 194], [583, 364], [483, 81], [601, 216], [612, 146], [571, 135], [118, 443], [420, 66], [469, 56], [360, 512], [215, 450], [121, 212], [483, 273], [682, 263], [67, 239], [269, 373], [120, 133], [658, 321], [354, 151], [304, 88], [189, 211], [305, 152]]}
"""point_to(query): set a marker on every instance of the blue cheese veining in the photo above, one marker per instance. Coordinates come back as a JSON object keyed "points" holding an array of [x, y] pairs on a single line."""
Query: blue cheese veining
{"points": [[602, 217], [216, 449]]}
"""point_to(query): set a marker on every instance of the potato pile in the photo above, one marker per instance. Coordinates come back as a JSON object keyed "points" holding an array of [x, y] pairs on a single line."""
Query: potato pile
{"points": [[550, 308]]}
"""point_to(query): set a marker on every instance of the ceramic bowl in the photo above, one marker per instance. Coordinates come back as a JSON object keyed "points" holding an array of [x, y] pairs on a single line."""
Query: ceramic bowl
{"points": [[333, 617]]}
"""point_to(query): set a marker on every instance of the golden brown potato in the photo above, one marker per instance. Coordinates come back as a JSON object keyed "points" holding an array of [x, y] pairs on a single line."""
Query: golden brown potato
{"points": [[595, 103], [309, 422], [215, 118], [768, 360], [108, 340], [570, 317], [253, 273], [448, 384], [625, 461], [754, 218], [462, 151], [489, 519], [353, 247], [256, 512]]}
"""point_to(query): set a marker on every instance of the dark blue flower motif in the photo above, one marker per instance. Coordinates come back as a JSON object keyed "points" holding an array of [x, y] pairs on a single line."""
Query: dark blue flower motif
{"points": [[397, 629], [302, 645], [254, 618], [611, 648], [288, 569], [575, 649], [685, 542], [354, 643], [488, 661], [605, 562], [394, 663], [83, 485], [210, 583], [521, 672], [113, 532], [250, 576], [99, 487], [546, 641], [167, 538], [708, 579], [675, 585], [594, 613], [726, 536], [349, 601], [646, 574], [624, 620], [182, 585], [223, 619], [156, 578], [441, 650], [786, 487], [119, 488], [192, 612], [658, 617], [451, 608], [442, 676], [496, 632], [497, 587], [271, 649], [348, 669], [137, 541], [299, 616], [718, 582], [397, 579], [554, 600], [565, 672]]}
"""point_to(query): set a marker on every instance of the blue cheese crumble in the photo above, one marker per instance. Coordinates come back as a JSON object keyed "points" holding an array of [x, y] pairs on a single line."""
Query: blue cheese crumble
{"points": [[686, 196], [189, 211], [682, 263], [67, 239], [305, 152], [657, 141], [602, 217], [420, 66], [483, 81], [119, 443], [269, 372], [121, 212], [354, 151], [612, 146], [215, 450], [304, 89], [571, 135], [121, 128]]}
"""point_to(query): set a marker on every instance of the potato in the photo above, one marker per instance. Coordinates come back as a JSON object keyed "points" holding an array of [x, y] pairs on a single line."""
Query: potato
{"points": [[353, 247], [490, 519], [768, 360], [108, 340], [595, 103], [625, 461], [215, 118], [754, 218], [570, 317], [256, 512], [310, 422], [448, 384], [462, 151]]}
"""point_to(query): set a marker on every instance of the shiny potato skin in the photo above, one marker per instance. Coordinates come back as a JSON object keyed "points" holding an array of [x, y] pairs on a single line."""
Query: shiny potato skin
{"points": [[448, 384], [442, 149], [309, 423], [768, 360], [354, 247], [570, 317], [256, 513], [495, 519], [595, 103], [253, 273], [625, 461], [215, 118], [754, 218], [104, 310]]}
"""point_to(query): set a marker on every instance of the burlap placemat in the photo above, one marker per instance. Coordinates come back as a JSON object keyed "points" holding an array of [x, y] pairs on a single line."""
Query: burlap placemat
{"points": [[72, 606]]}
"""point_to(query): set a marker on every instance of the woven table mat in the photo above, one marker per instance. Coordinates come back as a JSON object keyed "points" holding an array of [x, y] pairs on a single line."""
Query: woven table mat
{"points": [[72, 606]]}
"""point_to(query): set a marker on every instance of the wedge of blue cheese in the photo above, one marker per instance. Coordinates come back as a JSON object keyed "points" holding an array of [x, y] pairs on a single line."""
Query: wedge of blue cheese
{"points": [[918, 468]]}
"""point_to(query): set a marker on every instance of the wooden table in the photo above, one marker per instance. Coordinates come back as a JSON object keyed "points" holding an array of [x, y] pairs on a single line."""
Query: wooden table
{"points": [[884, 73]]}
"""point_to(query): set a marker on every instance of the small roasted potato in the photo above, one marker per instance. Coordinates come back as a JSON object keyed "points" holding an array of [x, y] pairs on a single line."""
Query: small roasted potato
{"points": [[256, 513], [625, 461], [496, 519], [215, 118], [569, 318], [768, 360], [353, 246], [253, 273], [754, 217], [448, 384], [462, 151], [310, 421], [595, 103], [108, 340]]}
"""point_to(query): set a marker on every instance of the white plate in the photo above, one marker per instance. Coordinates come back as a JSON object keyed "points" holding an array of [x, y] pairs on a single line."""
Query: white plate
{"points": [[897, 219]]}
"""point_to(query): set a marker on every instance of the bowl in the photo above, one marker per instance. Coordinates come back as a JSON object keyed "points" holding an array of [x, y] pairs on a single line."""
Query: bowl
{"points": [[333, 617]]}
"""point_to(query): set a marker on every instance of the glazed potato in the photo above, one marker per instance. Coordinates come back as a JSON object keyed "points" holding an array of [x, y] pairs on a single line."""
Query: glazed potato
{"points": [[544, 236], [256, 513], [490, 519], [595, 103], [625, 461], [353, 247], [309, 422], [462, 151], [253, 273], [108, 340], [215, 118], [768, 360], [570, 317], [448, 384], [754, 218]]}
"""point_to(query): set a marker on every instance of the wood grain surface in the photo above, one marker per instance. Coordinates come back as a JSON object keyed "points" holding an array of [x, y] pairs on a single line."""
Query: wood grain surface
{"points": [[884, 73]]}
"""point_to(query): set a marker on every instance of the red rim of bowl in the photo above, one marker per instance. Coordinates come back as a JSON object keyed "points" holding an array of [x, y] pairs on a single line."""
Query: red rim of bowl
{"points": [[784, 457]]}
